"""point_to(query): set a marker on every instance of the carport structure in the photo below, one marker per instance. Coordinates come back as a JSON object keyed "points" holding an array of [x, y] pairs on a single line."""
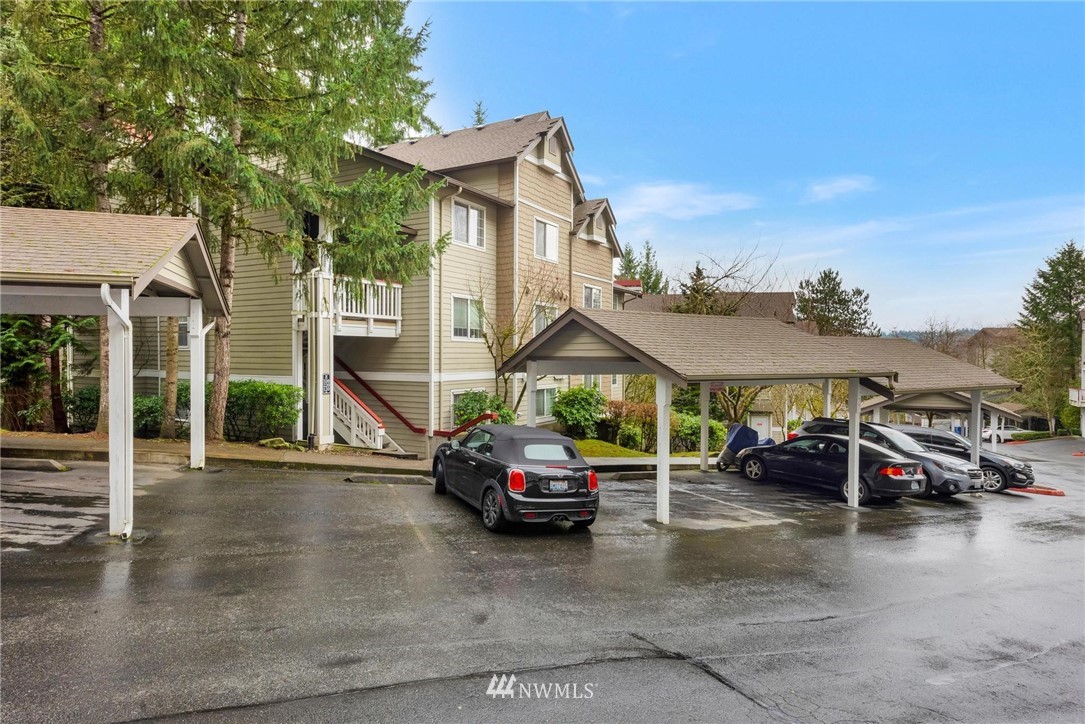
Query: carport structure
{"points": [[683, 349], [76, 263]]}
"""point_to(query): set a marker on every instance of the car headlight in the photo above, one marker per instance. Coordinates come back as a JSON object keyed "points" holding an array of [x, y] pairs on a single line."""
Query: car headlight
{"points": [[1016, 465], [949, 468]]}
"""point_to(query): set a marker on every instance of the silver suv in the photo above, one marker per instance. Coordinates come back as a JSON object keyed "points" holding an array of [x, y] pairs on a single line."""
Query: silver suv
{"points": [[945, 475]]}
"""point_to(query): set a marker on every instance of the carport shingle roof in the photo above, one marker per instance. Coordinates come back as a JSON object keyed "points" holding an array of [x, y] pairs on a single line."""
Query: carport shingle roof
{"points": [[921, 369], [694, 347]]}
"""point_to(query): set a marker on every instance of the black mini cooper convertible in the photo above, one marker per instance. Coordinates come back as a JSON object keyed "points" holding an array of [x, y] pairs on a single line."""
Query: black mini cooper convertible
{"points": [[518, 474]]}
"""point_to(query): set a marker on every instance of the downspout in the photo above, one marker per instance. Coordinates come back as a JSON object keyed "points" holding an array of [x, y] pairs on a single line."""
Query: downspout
{"points": [[432, 319], [126, 340]]}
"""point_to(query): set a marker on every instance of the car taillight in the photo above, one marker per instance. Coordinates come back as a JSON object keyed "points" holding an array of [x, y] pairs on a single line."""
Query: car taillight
{"points": [[792, 435], [893, 471], [517, 481], [593, 481]]}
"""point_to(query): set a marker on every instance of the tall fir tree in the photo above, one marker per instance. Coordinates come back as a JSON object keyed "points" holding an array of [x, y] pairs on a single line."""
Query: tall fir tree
{"points": [[838, 312]]}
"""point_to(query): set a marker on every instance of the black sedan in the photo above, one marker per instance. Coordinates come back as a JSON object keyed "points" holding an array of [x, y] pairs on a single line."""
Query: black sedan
{"points": [[518, 474], [822, 460]]}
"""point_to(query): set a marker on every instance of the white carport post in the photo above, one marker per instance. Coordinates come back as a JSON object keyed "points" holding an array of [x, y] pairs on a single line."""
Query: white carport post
{"points": [[975, 425], [120, 412], [996, 422], [197, 353], [321, 354], [532, 374], [827, 398], [853, 442], [704, 426], [663, 450]]}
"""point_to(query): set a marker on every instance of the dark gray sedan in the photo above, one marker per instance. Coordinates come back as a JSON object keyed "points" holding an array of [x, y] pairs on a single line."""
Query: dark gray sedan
{"points": [[518, 474]]}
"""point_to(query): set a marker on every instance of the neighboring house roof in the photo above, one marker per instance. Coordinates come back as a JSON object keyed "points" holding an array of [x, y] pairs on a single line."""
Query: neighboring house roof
{"points": [[487, 143], [769, 305], [994, 335], [922, 369], [692, 348], [83, 248]]}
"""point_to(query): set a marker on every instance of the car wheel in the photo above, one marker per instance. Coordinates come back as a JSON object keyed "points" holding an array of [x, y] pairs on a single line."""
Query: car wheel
{"points": [[753, 468], [994, 480], [864, 491], [439, 477], [583, 523], [492, 517], [720, 466]]}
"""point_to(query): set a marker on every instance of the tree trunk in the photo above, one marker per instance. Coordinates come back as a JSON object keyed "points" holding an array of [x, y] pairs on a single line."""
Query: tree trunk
{"points": [[220, 389], [169, 395], [99, 169], [103, 370]]}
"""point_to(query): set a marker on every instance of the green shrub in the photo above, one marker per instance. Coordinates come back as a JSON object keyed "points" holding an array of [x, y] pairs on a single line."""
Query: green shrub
{"points": [[579, 409], [471, 404], [256, 410], [686, 435], [1031, 435], [82, 407], [630, 436], [1070, 417], [146, 415]]}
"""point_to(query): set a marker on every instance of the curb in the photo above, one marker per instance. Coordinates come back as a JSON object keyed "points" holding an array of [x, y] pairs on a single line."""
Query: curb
{"points": [[163, 458], [1038, 490], [372, 479], [39, 465]]}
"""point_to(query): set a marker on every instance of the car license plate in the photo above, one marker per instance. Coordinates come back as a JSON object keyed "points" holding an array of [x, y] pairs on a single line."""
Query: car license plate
{"points": [[915, 485], [559, 486]]}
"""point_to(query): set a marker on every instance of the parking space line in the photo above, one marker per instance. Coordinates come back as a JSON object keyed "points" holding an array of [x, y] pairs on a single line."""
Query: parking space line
{"points": [[410, 521], [724, 502]]}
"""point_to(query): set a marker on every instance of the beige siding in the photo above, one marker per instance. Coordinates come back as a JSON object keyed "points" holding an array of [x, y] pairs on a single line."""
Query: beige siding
{"points": [[409, 398], [177, 273], [483, 178]]}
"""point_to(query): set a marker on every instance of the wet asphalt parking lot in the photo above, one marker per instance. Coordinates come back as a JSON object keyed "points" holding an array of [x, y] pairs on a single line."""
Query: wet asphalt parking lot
{"points": [[284, 596]]}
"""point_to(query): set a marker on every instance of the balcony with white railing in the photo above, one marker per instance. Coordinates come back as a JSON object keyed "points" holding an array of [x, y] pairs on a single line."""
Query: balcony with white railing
{"points": [[1077, 397], [376, 310]]}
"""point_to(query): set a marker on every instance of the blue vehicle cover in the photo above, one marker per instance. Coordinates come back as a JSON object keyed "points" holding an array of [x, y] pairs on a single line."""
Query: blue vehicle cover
{"points": [[740, 437]]}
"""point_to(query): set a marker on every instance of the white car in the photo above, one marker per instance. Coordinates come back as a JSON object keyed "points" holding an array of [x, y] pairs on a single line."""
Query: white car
{"points": [[1004, 433]]}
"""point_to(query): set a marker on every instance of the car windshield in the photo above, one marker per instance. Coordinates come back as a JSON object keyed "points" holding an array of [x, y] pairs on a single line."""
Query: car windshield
{"points": [[959, 438], [900, 440]]}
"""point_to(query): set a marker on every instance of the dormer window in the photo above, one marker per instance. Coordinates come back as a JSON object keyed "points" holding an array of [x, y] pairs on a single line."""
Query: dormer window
{"points": [[468, 225]]}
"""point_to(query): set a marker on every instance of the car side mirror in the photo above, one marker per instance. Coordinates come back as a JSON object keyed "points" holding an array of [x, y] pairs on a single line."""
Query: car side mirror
{"points": [[455, 444]]}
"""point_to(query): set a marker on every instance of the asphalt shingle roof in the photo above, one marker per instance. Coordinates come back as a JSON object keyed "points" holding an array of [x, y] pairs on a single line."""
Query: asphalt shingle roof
{"points": [[583, 210], [773, 305], [474, 145]]}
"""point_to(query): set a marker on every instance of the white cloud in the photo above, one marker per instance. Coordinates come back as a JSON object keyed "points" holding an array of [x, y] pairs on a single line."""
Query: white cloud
{"points": [[677, 201], [590, 179], [830, 188]]}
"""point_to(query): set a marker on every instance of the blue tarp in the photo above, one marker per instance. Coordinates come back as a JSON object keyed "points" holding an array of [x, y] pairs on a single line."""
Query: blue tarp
{"points": [[740, 437]]}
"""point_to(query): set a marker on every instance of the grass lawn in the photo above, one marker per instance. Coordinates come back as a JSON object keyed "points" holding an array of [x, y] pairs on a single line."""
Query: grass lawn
{"points": [[603, 449]]}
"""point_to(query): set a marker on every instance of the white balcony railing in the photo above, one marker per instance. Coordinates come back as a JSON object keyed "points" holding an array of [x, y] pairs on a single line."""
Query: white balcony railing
{"points": [[1077, 397], [375, 311]]}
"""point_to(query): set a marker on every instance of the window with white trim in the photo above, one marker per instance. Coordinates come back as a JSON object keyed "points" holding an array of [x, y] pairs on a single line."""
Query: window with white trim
{"points": [[593, 381], [466, 318], [546, 240], [593, 297], [468, 225], [544, 315], [544, 401], [182, 333]]}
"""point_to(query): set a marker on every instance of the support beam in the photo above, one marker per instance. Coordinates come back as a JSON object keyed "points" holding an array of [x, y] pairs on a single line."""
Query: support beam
{"points": [[321, 356], [827, 398], [704, 426], [975, 425], [197, 355], [532, 381], [663, 450], [853, 442], [996, 422], [120, 412]]}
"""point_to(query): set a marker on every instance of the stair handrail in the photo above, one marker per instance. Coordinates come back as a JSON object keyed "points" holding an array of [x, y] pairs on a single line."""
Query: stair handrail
{"points": [[492, 416], [354, 375], [350, 393]]}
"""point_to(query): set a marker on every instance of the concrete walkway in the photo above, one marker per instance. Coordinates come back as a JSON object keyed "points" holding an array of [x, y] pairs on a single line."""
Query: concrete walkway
{"points": [[240, 455]]}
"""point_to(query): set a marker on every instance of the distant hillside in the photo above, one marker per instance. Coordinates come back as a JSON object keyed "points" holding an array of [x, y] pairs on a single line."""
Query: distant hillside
{"points": [[914, 334]]}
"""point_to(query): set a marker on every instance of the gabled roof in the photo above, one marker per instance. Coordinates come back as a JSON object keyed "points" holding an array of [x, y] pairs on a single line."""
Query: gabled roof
{"points": [[770, 305], [692, 348], [936, 402], [922, 369], [583, 211], [475, 145], [83, 248]]}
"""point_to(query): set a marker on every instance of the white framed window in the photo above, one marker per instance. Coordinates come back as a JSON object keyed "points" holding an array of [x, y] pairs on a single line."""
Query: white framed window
{"points": [[182, 333], [546, 240], [614, 382], [466, 318], [593, 381], [593, 297], [544, 315], [468, 225], [544, 401]]}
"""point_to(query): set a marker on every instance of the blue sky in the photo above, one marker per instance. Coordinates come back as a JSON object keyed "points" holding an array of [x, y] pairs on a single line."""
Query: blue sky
{"points": [[933, 153]]}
